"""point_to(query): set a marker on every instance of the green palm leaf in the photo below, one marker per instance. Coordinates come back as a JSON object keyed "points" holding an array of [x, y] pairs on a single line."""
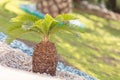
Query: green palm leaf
{"points": [[45, 27], [65, 17], [24, 17]]}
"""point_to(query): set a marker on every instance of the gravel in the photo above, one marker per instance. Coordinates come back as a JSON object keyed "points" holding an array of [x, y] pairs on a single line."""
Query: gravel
{"points": [[24, 50], [21, 46], [3, 37], [15, 58]]}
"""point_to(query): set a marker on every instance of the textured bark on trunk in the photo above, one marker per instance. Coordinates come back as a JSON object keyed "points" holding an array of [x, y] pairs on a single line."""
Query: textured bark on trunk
{"points": [[54, 7], [45, 58]]}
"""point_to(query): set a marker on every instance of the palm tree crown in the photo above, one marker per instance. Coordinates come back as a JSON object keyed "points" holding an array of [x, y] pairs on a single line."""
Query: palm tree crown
{"points": [[45, 27]]}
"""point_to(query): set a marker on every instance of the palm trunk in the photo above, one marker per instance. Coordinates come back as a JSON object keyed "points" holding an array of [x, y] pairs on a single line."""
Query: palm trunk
{"points": [[45, 58], [54, 7], [111, 4]]}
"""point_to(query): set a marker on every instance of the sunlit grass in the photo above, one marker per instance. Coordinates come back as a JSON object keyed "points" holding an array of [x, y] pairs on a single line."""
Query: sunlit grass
{"points": [[96, 52]]}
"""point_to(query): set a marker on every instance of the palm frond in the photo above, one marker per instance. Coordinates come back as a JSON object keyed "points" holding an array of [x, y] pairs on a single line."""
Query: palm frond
{"points": [[48, 20], [28, 23], [13, 26], [38, 24], [64, 27], [65, 17], [45, 24], [16, 33], [24, 18]]}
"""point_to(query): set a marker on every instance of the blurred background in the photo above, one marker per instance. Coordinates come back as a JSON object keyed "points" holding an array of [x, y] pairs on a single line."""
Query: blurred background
{"points": [[95, 52]]}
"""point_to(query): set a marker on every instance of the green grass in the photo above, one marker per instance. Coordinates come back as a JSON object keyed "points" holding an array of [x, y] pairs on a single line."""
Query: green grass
{"points": [[96, 52]]}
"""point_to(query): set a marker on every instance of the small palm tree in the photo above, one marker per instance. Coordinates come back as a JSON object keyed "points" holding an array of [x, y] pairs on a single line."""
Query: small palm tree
{"points": [[45, 53]]}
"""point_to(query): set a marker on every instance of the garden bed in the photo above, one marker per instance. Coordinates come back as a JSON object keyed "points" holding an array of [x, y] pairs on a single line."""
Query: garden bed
{"points": [[20, 58]]}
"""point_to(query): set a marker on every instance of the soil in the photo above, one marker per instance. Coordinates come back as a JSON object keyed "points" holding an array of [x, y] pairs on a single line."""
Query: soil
{"points": [[45, 58]]}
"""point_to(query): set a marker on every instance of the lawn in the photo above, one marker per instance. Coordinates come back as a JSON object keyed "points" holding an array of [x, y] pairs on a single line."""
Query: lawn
{"points": [[96, 51]]}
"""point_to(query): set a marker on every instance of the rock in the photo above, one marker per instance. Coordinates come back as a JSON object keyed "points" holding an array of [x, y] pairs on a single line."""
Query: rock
{"points": [[2, 37]]}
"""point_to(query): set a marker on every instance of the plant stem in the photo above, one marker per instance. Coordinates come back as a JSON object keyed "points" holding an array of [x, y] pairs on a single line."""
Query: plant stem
{"points": [[46, 38]]}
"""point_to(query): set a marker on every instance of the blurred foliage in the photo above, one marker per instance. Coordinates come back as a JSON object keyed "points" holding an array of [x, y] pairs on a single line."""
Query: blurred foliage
{"points": [[113, 5]]}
